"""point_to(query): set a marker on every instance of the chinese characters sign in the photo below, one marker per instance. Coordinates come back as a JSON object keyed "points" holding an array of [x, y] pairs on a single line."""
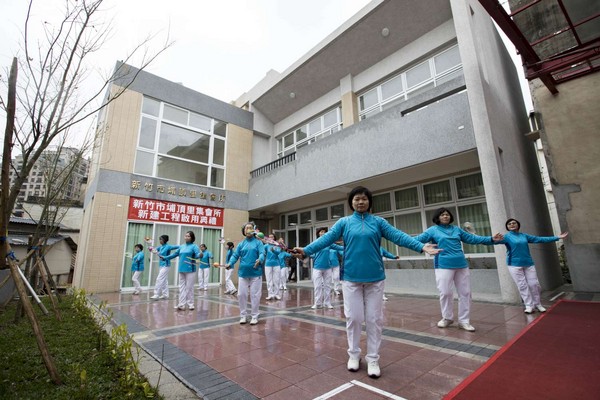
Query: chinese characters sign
{"points": [[172, 190], [171, 212]]}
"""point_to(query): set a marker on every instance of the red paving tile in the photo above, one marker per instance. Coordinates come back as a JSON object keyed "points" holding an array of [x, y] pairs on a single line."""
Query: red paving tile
{"points": [[296, 353]]}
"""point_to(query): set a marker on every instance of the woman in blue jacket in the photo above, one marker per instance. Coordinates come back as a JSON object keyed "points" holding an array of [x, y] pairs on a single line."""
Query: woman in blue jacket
{"points": [[362, 273], [272, 269], [322, 273], [137, 267], [451, 266], [229, 286], [520, 264], [189, 254], [251, 253], [161, 287], [204, 268]]}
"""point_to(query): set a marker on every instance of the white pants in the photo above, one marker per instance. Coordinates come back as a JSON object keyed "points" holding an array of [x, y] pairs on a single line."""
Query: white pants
{"points": [[203, 274], [161, 287], [254, 285], [322, 282], [136, 280], [229, 286], [528, 284], [272, 275], [335, 276], [445, 279], [186, 288], [283, 277], [363, 302]]}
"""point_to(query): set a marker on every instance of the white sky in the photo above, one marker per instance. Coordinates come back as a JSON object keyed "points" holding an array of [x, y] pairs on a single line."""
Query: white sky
{"points": [[222, 48]]}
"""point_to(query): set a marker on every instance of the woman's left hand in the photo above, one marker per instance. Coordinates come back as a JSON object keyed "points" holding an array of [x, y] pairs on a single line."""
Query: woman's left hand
{"points": [[431, 249]]}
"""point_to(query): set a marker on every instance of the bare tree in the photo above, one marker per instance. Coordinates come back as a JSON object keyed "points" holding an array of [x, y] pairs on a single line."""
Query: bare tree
{"points": [[48, 100]]}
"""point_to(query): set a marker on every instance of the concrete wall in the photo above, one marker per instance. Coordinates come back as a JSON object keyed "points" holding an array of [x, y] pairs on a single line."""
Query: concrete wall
{"points": [[386, 142], [570, 126], [508, 163]]}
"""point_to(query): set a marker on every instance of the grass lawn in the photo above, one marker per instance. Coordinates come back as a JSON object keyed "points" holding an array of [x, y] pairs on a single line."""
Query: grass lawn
{"points": [[91, 363]]}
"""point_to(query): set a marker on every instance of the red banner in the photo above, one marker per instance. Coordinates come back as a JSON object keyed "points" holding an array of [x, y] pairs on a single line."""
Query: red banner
{"points": [[171, 212]]}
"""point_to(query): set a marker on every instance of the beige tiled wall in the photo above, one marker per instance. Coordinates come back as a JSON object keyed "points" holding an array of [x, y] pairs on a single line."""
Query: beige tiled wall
{"points": [[239, 158], [123, 125]]}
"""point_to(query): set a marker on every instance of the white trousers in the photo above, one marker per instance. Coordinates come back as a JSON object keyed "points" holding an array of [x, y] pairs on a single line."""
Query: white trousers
{"points": [[272, 275], [528, 284], [161, 287], [363, 302], [186, 288], [283, 277], [229, 286], [445, 279], [322, 281], [135, 278], [254, 286], [335, 276], [203, 274]]}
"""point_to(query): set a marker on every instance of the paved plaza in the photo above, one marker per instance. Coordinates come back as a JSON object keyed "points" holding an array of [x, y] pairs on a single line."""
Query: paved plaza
{"points": [[297, 353]]}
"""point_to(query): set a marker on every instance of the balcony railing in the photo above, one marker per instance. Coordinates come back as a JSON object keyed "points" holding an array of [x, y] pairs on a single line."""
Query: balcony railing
{"points": [[273, 165]]}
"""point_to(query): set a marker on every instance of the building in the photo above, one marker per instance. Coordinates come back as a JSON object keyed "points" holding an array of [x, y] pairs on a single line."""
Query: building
{"points": [[418, 101], [559, 45], [48, 167]]}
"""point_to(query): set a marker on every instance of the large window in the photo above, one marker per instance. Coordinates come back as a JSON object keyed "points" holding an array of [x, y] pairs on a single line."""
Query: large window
{"points": [[430, 73], [319, 127], [180, 145], [136, 232]]}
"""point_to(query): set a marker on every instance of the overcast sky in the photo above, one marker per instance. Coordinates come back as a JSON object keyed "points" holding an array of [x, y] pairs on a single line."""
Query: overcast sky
{"points": [[222, 48]]}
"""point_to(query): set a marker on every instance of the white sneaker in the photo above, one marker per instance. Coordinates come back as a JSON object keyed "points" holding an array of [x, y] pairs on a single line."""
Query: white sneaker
{"points": [[180, 308], [385, 298], [353, 364], [254, 321], [540, 308], [191, 307], [528, 310], [373, 370], [444, 323], [243, 320], [278, 297], [466, 326], [337, 292], [163, 297], [329, 306], [155, 297], [234, 291], [227, 292], [269, 297], [136, 293], [284, 288], [315, 306]]}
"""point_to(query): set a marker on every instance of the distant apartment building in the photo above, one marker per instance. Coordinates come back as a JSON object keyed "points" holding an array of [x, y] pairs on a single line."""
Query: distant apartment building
{"points": [[37, 183]]}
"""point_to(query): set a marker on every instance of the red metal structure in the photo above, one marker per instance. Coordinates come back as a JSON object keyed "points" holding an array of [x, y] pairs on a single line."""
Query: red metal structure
{"points": [[558, 40]]}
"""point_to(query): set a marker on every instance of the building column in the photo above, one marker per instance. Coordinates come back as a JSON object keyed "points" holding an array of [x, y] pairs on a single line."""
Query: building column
{"points": [[349, 102]]}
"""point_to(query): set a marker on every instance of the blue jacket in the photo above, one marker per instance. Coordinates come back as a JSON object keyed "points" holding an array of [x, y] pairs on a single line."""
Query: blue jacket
{"points": [[137, 263], [362, 233], [334, 261], [228, 256], [449, 238], [386, 254], [283, 256], [188, 254], [517, 247], [322, 258], [165, 250], [248, 251], [272, 252], [205, 260]]}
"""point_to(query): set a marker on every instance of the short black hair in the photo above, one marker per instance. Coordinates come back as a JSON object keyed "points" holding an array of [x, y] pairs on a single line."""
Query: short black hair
{"points": [[192, 236], [165, 238], [512, 219], [139, 246], [229, 244], [323, 228], [360, 190], [244, 227], [203, 245], [440, 211]]}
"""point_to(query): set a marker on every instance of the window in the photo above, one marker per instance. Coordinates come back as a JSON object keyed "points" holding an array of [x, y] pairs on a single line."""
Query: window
{"points": [[418, 79], [305, 217], [321, 214], [381, 203], [337, 211], [438, 192], [319, 127], [406, 198], [180, 145]]}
